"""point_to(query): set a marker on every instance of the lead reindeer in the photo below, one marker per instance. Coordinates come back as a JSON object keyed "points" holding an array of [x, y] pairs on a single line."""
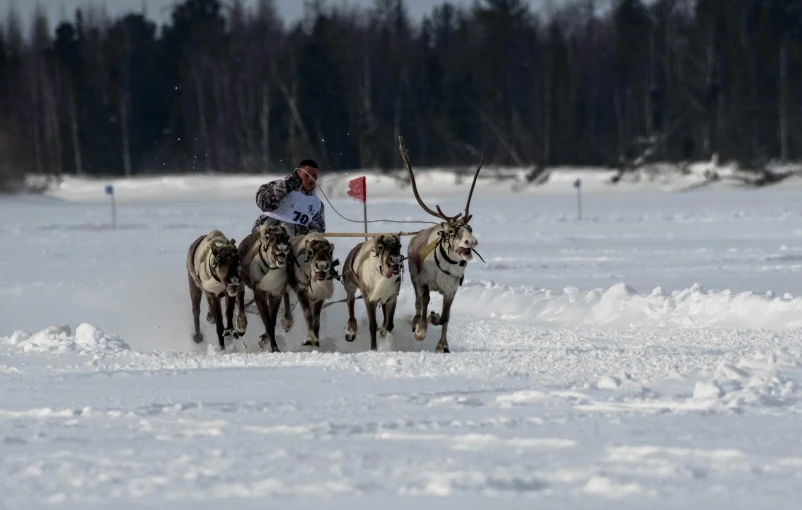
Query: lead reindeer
{"points": [[437, 258]]}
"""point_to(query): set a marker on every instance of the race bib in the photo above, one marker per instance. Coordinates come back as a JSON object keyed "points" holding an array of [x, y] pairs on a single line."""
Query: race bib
{"points": [[297, 208]]}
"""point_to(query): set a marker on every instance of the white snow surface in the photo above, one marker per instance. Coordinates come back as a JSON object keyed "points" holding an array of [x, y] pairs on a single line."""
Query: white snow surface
{"points": [[648, 356]]}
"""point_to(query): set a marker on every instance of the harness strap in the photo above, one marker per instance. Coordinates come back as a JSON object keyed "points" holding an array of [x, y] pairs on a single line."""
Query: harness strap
{"points": [[265, 265], [211, 266], [430, 248], [446, 272], [445, 256]]}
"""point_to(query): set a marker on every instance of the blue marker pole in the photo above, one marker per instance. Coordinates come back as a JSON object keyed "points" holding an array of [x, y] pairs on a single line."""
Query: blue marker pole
{"points": [[110, 192], [578, 186]]}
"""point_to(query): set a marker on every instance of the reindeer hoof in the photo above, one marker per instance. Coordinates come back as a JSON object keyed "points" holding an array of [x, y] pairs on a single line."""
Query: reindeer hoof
{"points": [[198, 338], [287, 323], [230, 332], [311, 341], [420, 331], [434, 319], [209, 317], [242, 325], [263, 341], [442, 348], [383, 332], [350, 338]]}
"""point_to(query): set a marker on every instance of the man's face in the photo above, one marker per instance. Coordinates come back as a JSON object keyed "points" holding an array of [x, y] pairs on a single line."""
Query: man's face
{"points": [[308, 177]]}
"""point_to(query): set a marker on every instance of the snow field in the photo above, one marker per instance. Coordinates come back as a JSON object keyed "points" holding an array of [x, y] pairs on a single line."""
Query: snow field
{"points": [[648, 356]]}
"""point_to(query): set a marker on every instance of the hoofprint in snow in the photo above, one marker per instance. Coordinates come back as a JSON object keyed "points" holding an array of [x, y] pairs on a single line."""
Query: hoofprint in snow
{"points": [[648, 356]]}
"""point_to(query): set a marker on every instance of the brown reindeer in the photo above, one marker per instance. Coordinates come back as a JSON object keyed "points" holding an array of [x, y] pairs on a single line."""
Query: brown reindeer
{"points": [[313, 272], [437, 259], [213, 268], [375, 268], [264, 256]]}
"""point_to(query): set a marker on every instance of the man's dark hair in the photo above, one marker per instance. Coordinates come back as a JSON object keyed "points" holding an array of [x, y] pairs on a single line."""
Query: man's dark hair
{"points": [[307, 162]]}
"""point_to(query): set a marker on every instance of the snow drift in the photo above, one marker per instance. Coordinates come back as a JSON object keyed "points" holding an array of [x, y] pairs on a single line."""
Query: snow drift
{"points": [[87, 340]]}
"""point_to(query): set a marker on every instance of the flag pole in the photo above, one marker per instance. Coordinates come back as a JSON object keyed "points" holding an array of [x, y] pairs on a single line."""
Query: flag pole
{"points": [[365, 211], [110, 191], [365, 204]]}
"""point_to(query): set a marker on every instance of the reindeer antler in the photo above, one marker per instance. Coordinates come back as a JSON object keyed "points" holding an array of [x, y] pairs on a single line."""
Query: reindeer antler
{"points": [[470, 195], [405, 158]]}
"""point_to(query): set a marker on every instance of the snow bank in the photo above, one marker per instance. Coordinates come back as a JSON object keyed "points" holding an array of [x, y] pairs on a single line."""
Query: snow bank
{"points": [[394, 185], [87, 340], [623, 306]]}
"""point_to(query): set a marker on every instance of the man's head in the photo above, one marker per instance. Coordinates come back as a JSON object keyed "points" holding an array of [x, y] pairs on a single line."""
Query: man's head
{"points": [[308, 172]]}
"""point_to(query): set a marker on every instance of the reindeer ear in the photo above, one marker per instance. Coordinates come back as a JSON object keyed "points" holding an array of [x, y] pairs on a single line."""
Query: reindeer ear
{"points": [[330, 248], [232, 242]]}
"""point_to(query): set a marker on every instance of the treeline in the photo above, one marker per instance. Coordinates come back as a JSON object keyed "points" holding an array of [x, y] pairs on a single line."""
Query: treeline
{"points": [[227, 87]]}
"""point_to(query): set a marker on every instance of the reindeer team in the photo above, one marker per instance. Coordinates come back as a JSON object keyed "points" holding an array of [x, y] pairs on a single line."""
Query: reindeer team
{"points": [[271, 262]]}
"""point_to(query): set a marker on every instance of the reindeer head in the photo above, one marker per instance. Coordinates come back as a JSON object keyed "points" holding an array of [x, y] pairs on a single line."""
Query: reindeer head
{"points": [[388, 250], [456, 230], [275, 244], [319, 253], [225, 264]]}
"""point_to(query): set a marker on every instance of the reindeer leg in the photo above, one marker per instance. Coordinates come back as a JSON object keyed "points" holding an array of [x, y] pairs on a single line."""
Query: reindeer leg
{"points": [[371, 307], [272, 309], [242, 321], [422, 325], [317, 308], [442, 321], [217, 314], [287, 321], [388, 310], [230, 303], [195, 294], [350, 326], [261, 304], [418, 303], [303, 299]]}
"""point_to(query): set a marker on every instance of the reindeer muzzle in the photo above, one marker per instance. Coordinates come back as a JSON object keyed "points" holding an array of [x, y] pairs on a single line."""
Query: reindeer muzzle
{"points": [[321, 270], [232, 287]]}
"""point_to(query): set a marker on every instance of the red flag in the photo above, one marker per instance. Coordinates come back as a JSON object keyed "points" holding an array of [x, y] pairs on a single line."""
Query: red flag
{"points": [[358, 189]]}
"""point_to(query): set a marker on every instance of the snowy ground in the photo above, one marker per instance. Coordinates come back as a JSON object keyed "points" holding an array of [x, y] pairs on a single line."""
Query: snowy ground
{"points": [[647, 356]]}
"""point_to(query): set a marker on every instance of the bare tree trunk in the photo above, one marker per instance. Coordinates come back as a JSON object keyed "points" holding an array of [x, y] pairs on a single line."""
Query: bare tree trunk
{"points": [[126, 144], [35, 120], [74, 131], [37, 142], [547, 101], [619, 121], [784, 99], [220, 128], [52, 131], [204, 132], [397, 123], [291, 97], [367, 112], [265, 125], [501, 138]]}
